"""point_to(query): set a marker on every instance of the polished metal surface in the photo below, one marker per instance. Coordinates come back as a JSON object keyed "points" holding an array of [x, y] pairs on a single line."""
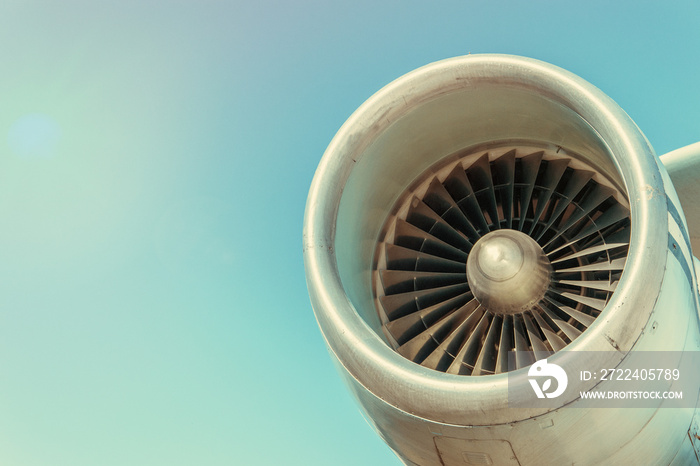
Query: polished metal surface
{"points": [[508, 272], [433, 417]]}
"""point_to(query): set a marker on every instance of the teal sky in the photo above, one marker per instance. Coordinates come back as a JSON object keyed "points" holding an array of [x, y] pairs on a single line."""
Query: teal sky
{"points": [[154, 165]]}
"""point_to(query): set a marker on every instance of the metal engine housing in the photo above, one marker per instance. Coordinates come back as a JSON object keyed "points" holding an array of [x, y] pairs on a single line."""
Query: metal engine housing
{"points": [[430, 417]]}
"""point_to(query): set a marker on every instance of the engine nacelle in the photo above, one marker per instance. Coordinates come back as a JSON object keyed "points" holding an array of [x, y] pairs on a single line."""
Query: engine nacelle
{"points": [[491, 205]]}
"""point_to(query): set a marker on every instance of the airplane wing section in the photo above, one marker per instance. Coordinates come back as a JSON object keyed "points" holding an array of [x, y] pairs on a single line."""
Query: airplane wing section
{"points": [[683, 166]]}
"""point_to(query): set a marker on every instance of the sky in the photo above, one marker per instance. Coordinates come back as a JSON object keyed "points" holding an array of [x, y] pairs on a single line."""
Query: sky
{"points": [[155, 159]]}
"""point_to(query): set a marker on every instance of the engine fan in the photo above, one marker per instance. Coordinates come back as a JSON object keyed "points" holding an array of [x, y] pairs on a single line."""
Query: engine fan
{"points": [[506, 249]]}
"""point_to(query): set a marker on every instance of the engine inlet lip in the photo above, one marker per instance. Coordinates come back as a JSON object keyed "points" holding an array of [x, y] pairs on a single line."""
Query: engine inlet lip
{"points": [[441, 397]]}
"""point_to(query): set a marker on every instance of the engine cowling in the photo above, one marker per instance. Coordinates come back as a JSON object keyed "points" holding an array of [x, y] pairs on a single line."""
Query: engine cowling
{"points": [[491, 204]]}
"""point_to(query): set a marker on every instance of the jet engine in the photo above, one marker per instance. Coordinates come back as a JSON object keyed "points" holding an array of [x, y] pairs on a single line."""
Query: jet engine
{"points": [[480, 215]]}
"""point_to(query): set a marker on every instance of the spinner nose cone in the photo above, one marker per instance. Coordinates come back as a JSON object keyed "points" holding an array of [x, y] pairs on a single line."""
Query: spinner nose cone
{"points": [[500, 258], [508, 272]]}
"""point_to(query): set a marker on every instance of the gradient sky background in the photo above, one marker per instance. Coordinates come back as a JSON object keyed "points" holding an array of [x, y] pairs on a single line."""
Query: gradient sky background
{"points": [[154, 167]]}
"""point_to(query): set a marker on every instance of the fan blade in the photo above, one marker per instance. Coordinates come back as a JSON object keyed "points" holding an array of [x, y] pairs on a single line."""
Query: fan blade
{"points": [[427, 220], [590, 251], [443, 355], [585, 319], [400, 258], [612, 215], [554, 340], [615, 264], [505, 345], [523, 358], [457, 184], [592, 200], [578, 180], [406, 327], [504, 173], [530, 166], [399, 305], [401, 281], [479, 175], [595, 303], [538, 346], [570, 331], [596, 285], [438, 199], [549, 180], [412, 237], [489, 350], [418, 348], [468, 349]]}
